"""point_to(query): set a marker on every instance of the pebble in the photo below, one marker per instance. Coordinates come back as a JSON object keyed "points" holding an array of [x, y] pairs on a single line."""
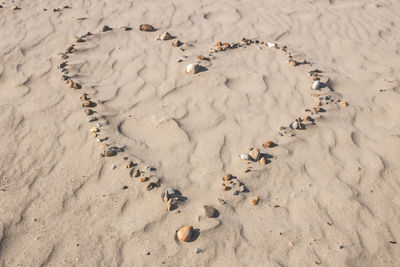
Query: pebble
{"points": [[113, 167], [193, 68], [271, 45], [255, 154], [254, 201], [316, 85], [228, 177], [110, 151], [90, 119], [221, 201], [242, 188], [146, 28], [125, 187], [295, 125], [236, 192], [106, 28], [244, 156], [198, 250], [268, 144], [99, 124], [165, 36], [293, 62], [210, 212], [177, 43], [262, 161], [185, 233]]}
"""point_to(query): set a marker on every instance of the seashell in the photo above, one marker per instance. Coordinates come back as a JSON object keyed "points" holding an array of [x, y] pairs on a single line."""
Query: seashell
{"points": [[316, 85], [271, 45], [244, 156], [254, 201], [94, 130], [268, 144], [228, 177], [165, 36], [262, 161], [193, 68], [106, 28], [146, 28], [293, 62], [88, 111], [144, 179], [185, 233], [295, 125], [344, 104], [225, 188], [255, 154], [177, 43]]}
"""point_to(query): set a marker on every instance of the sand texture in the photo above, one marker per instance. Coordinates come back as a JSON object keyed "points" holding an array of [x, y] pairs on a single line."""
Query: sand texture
{"points": [[329, 194]]}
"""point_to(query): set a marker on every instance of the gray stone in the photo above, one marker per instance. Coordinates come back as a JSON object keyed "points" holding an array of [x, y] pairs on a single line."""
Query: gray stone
{"points": [[210, 212]]}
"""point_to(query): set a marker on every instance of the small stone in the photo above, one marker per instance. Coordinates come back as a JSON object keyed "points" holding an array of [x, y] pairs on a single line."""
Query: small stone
{"points": [[146, 28], [293, 62], [254, 201], [255, 154], [316, 85], [136, 173], [242, 188], [125, 187], [193, 68], [236, 192], [177, 43], [225, 188], [262, 161], [228, 177], [129, 165], [144, 179], [185, 233], [295, 125], [89, 111], [221, 201], [91, 119], [152, 185], [113, 167], [170, 192], [244, 157], [210, 212], [198, 251], [106, 28], [344, 104], [94, 130], [165, 36], [268, 144]]}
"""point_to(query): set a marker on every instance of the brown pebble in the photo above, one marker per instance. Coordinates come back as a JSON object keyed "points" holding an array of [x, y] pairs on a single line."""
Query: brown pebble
{"points": [[84, 97], [293, 62], [129, 165], [255, 154], [136, 173], [88, 111], [254, 201], [185, 233], [246, 170], [262, 161], [177, 43], [144, 179], [268, 144], [344, 104], [228, 177], [225, 187], [146, 28], [106, 28]]}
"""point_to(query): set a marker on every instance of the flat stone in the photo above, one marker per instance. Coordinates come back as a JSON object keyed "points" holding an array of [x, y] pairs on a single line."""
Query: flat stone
{"points": [[210, 212], [255, 154]]}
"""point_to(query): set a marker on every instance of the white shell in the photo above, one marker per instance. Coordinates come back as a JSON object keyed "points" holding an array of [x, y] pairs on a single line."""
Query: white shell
{"points": [[165, 36], [295, 125], [244, 156], [316, 85], [271, 45], [193, 68]]}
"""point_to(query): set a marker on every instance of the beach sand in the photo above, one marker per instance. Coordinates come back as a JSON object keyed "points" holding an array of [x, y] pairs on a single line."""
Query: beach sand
{"points": [[328, 194]]}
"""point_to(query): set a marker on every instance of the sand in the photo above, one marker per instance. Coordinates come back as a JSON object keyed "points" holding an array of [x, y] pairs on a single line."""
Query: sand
{"points": [[329, 194]]}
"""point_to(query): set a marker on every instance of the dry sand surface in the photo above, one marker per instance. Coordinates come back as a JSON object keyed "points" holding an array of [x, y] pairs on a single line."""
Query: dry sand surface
{"points": [[329, 195]]}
